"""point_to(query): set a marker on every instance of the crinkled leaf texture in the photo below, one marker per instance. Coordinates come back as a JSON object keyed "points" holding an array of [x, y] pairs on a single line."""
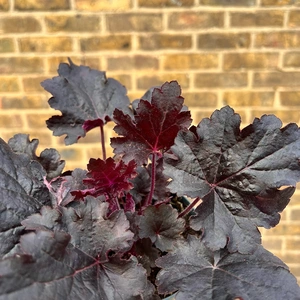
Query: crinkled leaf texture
{"points": [[161, 224], [154, 125], [90, 229], [49, 158], [109, 178], [55, 269], [22, 193], [196, 273], [237, 174], [85, 97], [75, 253]]}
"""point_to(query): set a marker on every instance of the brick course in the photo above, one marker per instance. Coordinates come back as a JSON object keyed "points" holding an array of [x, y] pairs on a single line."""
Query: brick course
{"points": [[210, 41], [195, 20], [242, 53], [76, 23]]}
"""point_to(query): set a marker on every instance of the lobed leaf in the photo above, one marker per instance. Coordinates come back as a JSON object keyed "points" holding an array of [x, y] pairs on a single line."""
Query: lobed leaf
{"points": [[88, 226], [22, 193], [161, 224], [154, 126], [196, 272], [86, 98], [237, 174], [49, 158], [109, 178], [57, 269]]}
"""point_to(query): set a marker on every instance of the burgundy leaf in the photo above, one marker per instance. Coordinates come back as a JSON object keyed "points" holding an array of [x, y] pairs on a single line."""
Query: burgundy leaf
{"points": [[237, 174], [52, 267], [109, 178], [198, 273], [161, 224], [154, 126], [86, 99]]}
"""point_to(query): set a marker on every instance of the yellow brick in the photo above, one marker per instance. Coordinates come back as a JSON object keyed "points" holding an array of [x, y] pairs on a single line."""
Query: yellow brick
{"points": [[106, 5], [39, 5], [21, 65], [45, 44], [24, 102], [19, 25], [11, 121], [9, 84], [114, 42], [38, 120], [4, 5], [77, 23], [243, 98], [190, 61], [33, 84], [6, 45], [251, 60]]}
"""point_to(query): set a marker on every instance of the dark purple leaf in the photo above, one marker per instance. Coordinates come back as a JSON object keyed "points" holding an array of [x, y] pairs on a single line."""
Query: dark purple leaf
{"points": [[154, 126], [237, 174], [49, 158], [161, 224], [86, 98], [53, 268], [90, 229], [141, 183], [93, 232], [22, 193], [198, 273], [47, 219], [146, 254]]}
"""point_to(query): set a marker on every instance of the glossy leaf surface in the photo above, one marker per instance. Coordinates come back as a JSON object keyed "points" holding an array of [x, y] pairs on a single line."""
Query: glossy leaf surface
{"points": [[199, 273], [244, 177]]}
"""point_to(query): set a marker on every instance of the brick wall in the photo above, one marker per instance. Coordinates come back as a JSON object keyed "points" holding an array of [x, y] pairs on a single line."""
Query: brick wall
{"points": [[245, 53]]}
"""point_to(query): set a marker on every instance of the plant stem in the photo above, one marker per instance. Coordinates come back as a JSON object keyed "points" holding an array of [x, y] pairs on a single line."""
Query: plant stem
{"points": [[188, 208], [153, 177], [103, 142]]}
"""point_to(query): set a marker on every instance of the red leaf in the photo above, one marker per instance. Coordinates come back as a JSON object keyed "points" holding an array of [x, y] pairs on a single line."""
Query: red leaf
{"points": [[109, 178], [154, 126]]}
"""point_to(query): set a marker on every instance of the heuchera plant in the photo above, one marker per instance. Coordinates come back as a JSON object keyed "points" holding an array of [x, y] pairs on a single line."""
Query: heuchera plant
{"points": [[123, 229]]}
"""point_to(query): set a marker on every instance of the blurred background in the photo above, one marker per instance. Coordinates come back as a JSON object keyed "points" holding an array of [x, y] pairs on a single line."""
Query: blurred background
{"points": [[242, 53]]}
